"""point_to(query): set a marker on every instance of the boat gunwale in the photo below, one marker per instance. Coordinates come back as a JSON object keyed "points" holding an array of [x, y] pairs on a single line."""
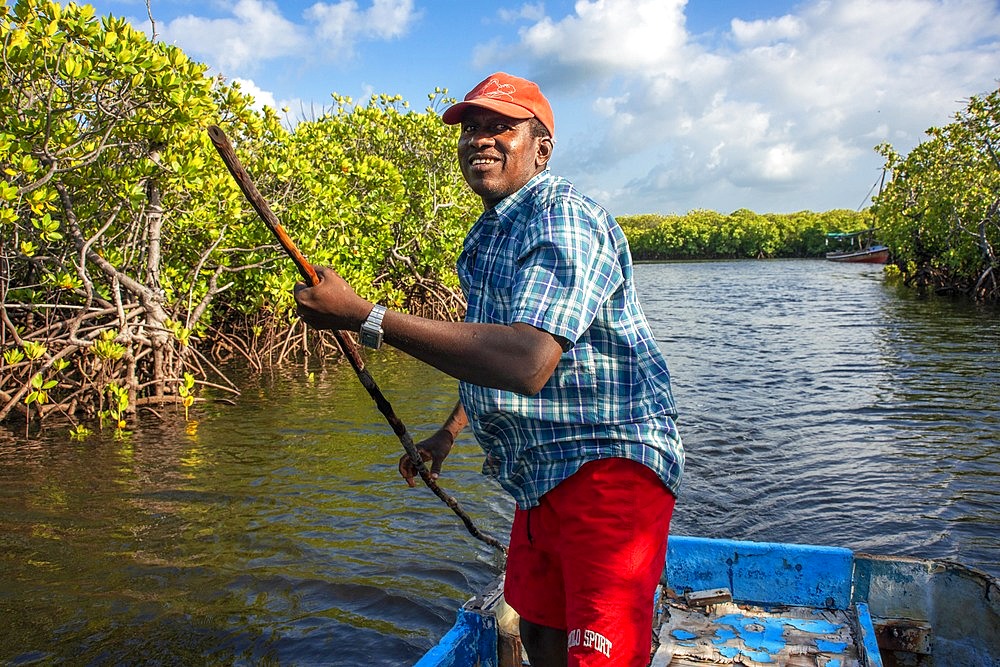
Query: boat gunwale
{"points": [[773, 573]]}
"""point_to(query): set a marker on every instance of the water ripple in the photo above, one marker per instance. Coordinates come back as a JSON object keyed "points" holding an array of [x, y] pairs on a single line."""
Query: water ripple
{"points": [[817, 406]]}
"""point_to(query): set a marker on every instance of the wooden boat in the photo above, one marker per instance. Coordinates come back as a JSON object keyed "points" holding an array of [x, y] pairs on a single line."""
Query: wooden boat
{"points": [[754, 604], [857, 247], [876, 254]]}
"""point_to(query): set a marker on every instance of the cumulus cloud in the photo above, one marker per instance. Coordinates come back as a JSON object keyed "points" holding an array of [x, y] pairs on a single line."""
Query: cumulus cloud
{"points": [[612, 35], [262, 98], [777, 106], [340, 25], [749, 33], [601, 38], [256, 31], [530, 11]]}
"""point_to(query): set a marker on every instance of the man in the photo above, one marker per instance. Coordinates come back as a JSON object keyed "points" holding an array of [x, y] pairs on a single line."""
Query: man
{"points": [[560, 378]]}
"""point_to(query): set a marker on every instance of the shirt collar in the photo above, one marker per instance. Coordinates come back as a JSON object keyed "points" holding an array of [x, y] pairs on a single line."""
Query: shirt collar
{"points": [[506, 209]]}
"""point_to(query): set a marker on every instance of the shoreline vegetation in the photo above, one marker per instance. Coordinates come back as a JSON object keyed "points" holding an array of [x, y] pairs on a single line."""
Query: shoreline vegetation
{"points": [[132, 268]]}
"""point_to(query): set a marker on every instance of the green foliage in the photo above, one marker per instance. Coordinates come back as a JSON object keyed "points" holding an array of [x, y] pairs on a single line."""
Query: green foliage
{"points": [[373, 191], [703, 234], [940, 213], [32, 350], [118, 404], [186, 392], [120, 221], [180, 332], [106, 348], [86, 104], [80, 432], [39, 390]]}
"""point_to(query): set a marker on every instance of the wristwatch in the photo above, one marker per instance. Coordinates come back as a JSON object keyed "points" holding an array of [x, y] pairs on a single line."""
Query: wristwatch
{"points": [[371, 330]]}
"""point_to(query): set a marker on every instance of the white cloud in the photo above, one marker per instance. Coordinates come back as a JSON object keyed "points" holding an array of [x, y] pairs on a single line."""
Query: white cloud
{"points": [[256, 32], [528, 11], [784, 107], [335, 24], [602, 38], [390, 18], [748, 33], [262, 98], [338, 26]]}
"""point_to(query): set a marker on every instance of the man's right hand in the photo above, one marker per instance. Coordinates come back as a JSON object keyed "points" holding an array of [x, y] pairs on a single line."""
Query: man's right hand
{"points": [[333, 304]]}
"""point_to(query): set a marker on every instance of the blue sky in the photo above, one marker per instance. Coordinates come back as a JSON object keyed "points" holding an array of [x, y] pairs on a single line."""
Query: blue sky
{"points": [[661, 106]]}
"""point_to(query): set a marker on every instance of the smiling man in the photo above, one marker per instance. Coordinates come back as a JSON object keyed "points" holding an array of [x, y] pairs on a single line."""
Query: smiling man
{"points": [[560, 378]]}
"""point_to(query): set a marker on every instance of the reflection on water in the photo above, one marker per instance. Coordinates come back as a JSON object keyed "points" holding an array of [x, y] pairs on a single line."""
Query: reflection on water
{"points": [[818, 406], [275, 532]]}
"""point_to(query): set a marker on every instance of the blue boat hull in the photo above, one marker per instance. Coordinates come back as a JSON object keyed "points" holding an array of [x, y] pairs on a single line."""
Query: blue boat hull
{"points": [[907, 610]]}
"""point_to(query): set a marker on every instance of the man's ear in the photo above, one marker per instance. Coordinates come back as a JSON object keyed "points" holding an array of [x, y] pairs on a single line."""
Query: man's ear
{"points": [[544, 151]]}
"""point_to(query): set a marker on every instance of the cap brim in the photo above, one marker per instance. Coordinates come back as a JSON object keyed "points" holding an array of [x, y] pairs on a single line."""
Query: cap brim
{"points": [[453, 115]]}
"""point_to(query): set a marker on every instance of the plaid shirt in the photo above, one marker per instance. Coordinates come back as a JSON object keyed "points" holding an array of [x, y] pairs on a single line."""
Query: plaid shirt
{"points": [[550, 257]]}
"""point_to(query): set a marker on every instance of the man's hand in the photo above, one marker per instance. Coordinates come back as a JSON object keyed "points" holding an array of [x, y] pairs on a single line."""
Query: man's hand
{"points": [[333, 304], [434, 449]]}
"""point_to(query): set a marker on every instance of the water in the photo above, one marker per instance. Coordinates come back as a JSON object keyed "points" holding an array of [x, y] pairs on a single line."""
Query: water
{"points": [[823, 407], [818, 405]]}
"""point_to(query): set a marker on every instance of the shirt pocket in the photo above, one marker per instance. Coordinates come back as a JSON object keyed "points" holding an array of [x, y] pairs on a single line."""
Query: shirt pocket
{"points": [[571, 395]]}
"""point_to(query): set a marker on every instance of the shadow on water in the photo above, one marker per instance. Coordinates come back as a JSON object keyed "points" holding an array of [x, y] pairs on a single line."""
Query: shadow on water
{"points": [[817, 406]]}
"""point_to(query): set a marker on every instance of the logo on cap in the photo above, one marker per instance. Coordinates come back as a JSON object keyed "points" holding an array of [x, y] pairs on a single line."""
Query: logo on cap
{"points": [[495, 89], [509, 95]]}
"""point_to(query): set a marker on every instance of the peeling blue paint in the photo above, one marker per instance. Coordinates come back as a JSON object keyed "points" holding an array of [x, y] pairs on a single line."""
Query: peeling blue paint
{"points": [[815, 627], [732, 653], [757, 633], [471, 641], [723, 635], [830, 647], [763, 573], [759, 656], [869, 642], [819, 596]]}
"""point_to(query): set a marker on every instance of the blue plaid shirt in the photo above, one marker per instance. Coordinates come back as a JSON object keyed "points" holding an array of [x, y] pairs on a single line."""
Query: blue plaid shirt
{"points": [[550, 257]]}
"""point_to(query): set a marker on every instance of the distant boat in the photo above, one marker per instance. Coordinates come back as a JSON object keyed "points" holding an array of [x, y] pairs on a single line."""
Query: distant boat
{"points": [[724, 602], [856, 247]]}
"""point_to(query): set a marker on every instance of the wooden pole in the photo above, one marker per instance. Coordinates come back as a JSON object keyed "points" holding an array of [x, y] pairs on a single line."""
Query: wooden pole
{"points": [[345, 342]]}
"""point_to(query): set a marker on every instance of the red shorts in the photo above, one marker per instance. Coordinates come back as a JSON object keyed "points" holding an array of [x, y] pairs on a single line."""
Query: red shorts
{"points": [[587, 560]]}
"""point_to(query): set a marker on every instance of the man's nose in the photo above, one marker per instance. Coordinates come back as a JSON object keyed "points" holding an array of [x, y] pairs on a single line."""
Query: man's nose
{"points": [[481, 138]]}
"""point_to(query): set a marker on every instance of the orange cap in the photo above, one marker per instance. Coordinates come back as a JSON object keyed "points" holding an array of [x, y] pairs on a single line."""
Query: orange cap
{"points": [[510, 95]]}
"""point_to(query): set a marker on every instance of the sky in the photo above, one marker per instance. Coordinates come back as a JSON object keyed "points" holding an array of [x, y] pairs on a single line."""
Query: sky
{"points": [[661, 106]]}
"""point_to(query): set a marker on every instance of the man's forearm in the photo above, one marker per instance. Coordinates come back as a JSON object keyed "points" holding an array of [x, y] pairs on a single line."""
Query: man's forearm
{"points": [[456, 421], [517, 358]]}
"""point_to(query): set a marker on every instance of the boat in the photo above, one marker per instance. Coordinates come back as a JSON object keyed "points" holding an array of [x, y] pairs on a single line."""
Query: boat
{"points": [[856, 247], [726, 602]]}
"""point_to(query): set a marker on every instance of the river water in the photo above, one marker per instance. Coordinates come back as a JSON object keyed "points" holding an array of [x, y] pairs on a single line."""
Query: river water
{"points": [[818, 406]]}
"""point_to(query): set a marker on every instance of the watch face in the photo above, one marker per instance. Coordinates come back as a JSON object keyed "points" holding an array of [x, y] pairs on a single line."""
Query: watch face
{"points": [[369, 338], [371, 330]]}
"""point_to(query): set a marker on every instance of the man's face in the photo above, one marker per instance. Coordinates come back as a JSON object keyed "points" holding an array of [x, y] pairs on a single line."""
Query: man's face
{"points": [[499, 154]]}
